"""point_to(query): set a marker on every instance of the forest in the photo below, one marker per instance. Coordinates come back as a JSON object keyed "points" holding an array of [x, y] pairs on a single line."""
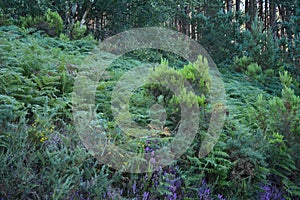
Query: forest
{"points": [[145, 100]]}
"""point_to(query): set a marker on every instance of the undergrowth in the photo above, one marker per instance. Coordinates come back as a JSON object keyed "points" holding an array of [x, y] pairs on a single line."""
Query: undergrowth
{"points": [[42, 156]]}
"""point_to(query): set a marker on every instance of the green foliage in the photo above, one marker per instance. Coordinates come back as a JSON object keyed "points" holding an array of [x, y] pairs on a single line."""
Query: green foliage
{"points": [[56, 170], [198, 75], [43, 158], [218, 32], [260, 46], [4, 19], [51, 23], [172, 80], [253, 70], [279, 119], [241, 64], [54, 22], [29, 21], [78, 31], [18, 8]]}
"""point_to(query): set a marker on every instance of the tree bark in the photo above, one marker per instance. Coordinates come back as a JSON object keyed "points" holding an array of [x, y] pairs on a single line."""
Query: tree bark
{"points": [[247, 12], [253, 8], [272, 9], [266, 14], [238, 5], [229, 5], [82, 22], [261, 9]]}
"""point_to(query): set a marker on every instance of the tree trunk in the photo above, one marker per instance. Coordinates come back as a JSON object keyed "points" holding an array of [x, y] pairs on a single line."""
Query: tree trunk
{"points": [[250, 9], [82, 22], [229, 5], [266, 14], [238, 5], [273, 13], [261, 9], [253, 9], [247, 11]]}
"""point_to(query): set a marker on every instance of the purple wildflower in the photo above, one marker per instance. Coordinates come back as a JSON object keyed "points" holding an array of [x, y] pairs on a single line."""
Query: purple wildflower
{"points": [[145, 195], [271, 192], [134, 187], [204, 191], [152, 153], [152, 161], [220, 197]]}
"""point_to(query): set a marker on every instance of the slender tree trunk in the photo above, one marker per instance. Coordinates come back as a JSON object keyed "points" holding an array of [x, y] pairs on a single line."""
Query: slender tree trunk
{"points": [[82, 22], [261, 9], [186, 21], [272, 19], [266, 14], [253, 8], [238, 5], [247, 11], [67, 15], [98, 28], [193, 28], [74, 8], [229, 5], [102, 25], [250, 9]]}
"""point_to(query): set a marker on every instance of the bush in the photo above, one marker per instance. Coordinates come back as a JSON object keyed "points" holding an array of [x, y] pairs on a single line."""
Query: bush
{"points": [[4, 19], [51, 23], [279, 119], [241, 64], [253, 70], [55, 22], [77, 31], [259, 45]]}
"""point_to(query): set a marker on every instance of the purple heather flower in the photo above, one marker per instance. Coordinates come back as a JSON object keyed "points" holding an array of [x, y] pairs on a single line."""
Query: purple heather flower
{"points": [[156, 183], [221, 197], [152, 161], [147, 149], [152, 153], [145, 195], [134, 187], [271, 192], [204, 191], [174, 195]]}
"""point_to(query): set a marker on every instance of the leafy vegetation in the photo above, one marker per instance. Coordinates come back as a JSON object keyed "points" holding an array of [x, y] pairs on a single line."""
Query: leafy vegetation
{"points": [[44, 46]]}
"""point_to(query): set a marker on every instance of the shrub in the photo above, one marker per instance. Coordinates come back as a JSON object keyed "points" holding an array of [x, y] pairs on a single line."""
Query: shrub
{"points": [[77, 31], [51, 23], [279, 119], [253, 70], [4, 19], [269, 73], [55, 22], [241, 64], [259, 45]]}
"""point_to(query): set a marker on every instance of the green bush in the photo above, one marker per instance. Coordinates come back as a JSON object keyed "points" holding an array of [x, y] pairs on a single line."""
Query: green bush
{"points": [[51, 23], [269, 73], [55, 22], [77, 31], [260, 45], [4, 19], [279, 118], [241, 64], [253, 70]]}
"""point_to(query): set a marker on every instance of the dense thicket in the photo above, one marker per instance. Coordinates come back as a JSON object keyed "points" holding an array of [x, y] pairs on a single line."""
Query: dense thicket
{"points": [[255, 44], [253, 28]]}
